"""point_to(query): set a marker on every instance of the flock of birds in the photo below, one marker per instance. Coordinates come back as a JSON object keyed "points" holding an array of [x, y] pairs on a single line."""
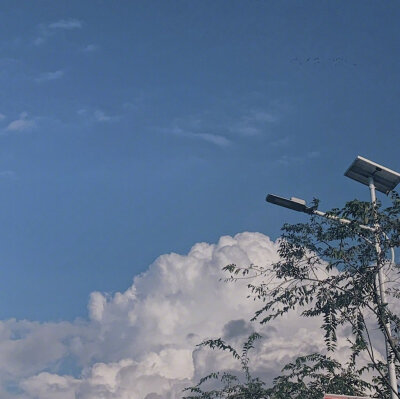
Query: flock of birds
{"points": [[336, 61]]}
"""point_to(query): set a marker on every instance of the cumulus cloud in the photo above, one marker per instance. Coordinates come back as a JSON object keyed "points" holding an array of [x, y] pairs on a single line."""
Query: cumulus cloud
{"points": [[140, 344], [21, 124]]}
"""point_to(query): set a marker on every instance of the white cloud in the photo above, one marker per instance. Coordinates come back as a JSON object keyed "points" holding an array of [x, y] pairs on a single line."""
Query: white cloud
{"points": [[50, 386], [81, 111], [253, 123], [140, 344], [39, 40], [281, 142], [223, 128], [286, 160], [2, 117], [216, 139], [212, 138], [96, 116], [90, 48], [21, 124], [100, 116], [66, 24], [44, 77], [46, 31], [262, 116], [42, 35]]}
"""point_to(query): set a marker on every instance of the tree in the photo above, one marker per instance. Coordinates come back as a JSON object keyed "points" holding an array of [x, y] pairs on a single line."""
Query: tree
{"points": [[327, 269]]}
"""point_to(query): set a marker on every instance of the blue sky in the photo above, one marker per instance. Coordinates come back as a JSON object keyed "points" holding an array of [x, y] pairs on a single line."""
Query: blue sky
{"points": [[134, 129]]}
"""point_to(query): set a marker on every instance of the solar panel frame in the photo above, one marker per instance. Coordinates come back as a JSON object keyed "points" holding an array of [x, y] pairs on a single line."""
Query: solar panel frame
{"points": [[363, 169]]}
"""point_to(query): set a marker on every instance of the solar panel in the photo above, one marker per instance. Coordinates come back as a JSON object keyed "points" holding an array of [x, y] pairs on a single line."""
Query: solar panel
{"points": [[362, 169]]}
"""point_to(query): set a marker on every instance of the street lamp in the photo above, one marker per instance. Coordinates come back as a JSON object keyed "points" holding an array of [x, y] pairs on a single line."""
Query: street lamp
{"points": [[376, 177], [382, 179], [299, 205], [294, 203]]}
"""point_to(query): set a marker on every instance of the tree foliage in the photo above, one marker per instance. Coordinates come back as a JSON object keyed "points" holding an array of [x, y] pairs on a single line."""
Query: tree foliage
{"points": [[328, 269]]}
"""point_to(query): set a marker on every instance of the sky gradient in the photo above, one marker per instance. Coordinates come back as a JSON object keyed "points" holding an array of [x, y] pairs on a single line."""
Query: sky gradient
{"points": [[139, 140], [133, 129]]}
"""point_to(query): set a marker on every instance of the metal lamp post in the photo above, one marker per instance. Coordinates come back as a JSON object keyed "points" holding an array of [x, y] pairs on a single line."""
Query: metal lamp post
{"points": [[376, 177]]}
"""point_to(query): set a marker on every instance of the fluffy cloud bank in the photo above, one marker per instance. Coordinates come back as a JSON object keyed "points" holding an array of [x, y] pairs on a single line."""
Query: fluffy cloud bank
{"points": [[141, 344]]}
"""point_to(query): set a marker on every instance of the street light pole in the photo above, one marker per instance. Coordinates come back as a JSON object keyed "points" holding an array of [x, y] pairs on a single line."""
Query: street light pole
{"points": [[377, 177], [382, 294]]}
